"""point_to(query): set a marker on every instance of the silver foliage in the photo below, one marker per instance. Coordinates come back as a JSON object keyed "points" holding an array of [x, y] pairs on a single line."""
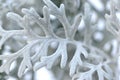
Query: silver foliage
{"points": [[80, 56]]}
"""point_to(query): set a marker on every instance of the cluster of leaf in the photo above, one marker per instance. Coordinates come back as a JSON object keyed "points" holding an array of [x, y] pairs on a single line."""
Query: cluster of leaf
{"points": [[35, 54], [113, 26]]}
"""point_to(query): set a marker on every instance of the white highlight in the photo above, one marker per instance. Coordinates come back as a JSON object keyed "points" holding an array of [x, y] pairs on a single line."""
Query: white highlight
{"points": [[44, 74], [97, 4]]}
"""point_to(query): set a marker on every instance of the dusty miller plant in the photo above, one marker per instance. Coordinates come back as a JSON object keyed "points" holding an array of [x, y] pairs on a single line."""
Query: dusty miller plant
{"points": [[49, 46]]}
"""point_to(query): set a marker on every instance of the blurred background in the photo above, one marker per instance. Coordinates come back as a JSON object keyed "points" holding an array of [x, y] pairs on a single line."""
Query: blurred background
{"points": [[101, 38]]}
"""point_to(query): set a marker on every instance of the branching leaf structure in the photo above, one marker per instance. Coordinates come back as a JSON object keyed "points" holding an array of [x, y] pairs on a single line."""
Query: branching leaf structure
{"points": [[81, 57], [101, 73]]}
